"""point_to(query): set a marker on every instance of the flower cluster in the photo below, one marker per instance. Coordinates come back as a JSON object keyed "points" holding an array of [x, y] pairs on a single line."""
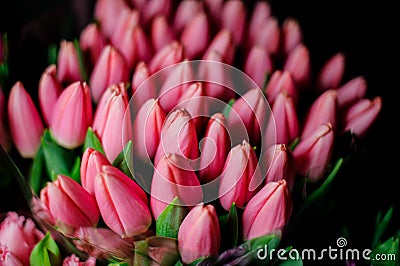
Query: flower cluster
{"points": [[179, 132]]}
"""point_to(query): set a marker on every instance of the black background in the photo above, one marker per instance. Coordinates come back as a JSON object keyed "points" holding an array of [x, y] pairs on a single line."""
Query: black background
{"points": [[364, 31]]}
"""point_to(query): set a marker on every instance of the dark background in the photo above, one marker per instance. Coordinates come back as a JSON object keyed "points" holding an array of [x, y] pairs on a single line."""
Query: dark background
{"points": [[364, 31]]}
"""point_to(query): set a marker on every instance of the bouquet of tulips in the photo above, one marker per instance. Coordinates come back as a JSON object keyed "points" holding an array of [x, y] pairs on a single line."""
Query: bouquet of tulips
{"points": [[177, 133]]}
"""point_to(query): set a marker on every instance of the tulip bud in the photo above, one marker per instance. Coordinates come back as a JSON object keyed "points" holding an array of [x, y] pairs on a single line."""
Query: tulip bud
{"points": [[109, 69], [147, 87], [361, 115], [292, 35], [123, 204], [195, 36], [92, 42], [268, 211], [215, 147], [323, 110], [199, 234], [258, 64], [108, 13], [67, 202], [224, 44], [313, 153], [213, 9], [240, 173], [73, 260], [92, 163], [284, 128], [49, 91], [68, 69], [72, 115], [351, 92], [268, 36], [26, 127], [108, 123], [298, 65], [147, 128], [331, 73], [18, 236], [174, 177], [261, 12], [161, 33], [5, 140], [179, 136], [154, 8], [115, 89], [233, 18], [169, 55], [278, 163], [281, 82], [185, 12]]}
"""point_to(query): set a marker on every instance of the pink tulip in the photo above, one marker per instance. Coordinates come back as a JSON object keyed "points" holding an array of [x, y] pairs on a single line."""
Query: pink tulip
{"points": [[109, 69], [18, 236], [261, 12], [240, 176], [154, 8], [5, 140], [323, 110], [108, 13], [281, 82], [179, 136], [69, 204], [147, 129], [215, 147], [201, 224], [174, 177], [161, 33], [268, 211], [123, 204], [332, 72], [351, 91], [115, 89], [92, 163], [268, 35], [298, 65], [361, 115], [108, 123], [73, 260], [185, 12], [68, 69], [143, 88], [92, 42], [72, 115], [233, 18], [313, 153], [26, 127], [258, 64], [49, 91], [284, 127], [291, 35], [224, 44], [169, 55], [195, 36], [138, 4], [277, 163]]}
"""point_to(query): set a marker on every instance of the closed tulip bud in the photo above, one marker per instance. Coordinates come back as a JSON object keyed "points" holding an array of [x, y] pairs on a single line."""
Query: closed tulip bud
{"points": [[92, 163], [73, 260], [69, 204], [215, 147], [199, 234], [147, 129], [161, 33], [258, 64], [115, 89], [143, 88], [224, 44], [72, 115], [291, 35], [26, 127], [167, 56], [351, 91], [195, 36], [239, 177], [179, 136], [268, 36], [313, 153], [174, 177], [361, 115], [284, 128], [299, 66], [68, 69], [322, 111], [5, 140], [277, 163], [331, 73], [109, 69], [18, 236], [108, 13], [123, 204], [268, 211], [49, 91], [144, 50], [261, 12], [92, 42], [281, 82], [154, 8], [108, 123], [185, 12], [233, 18]]}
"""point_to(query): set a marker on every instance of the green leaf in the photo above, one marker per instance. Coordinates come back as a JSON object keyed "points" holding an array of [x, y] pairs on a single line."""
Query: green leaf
{"points": [[179, 263], [228, 107], [52, 54], [45, 253], [75, 172], [294, 143], [169, 221], [386, 253], [81, 60], [123, 263], [156, 250], [289, 259], [141, 258], [381, 225], [266, 80], [37, 177], [121, 161], [92, 141], [230, 228]]}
